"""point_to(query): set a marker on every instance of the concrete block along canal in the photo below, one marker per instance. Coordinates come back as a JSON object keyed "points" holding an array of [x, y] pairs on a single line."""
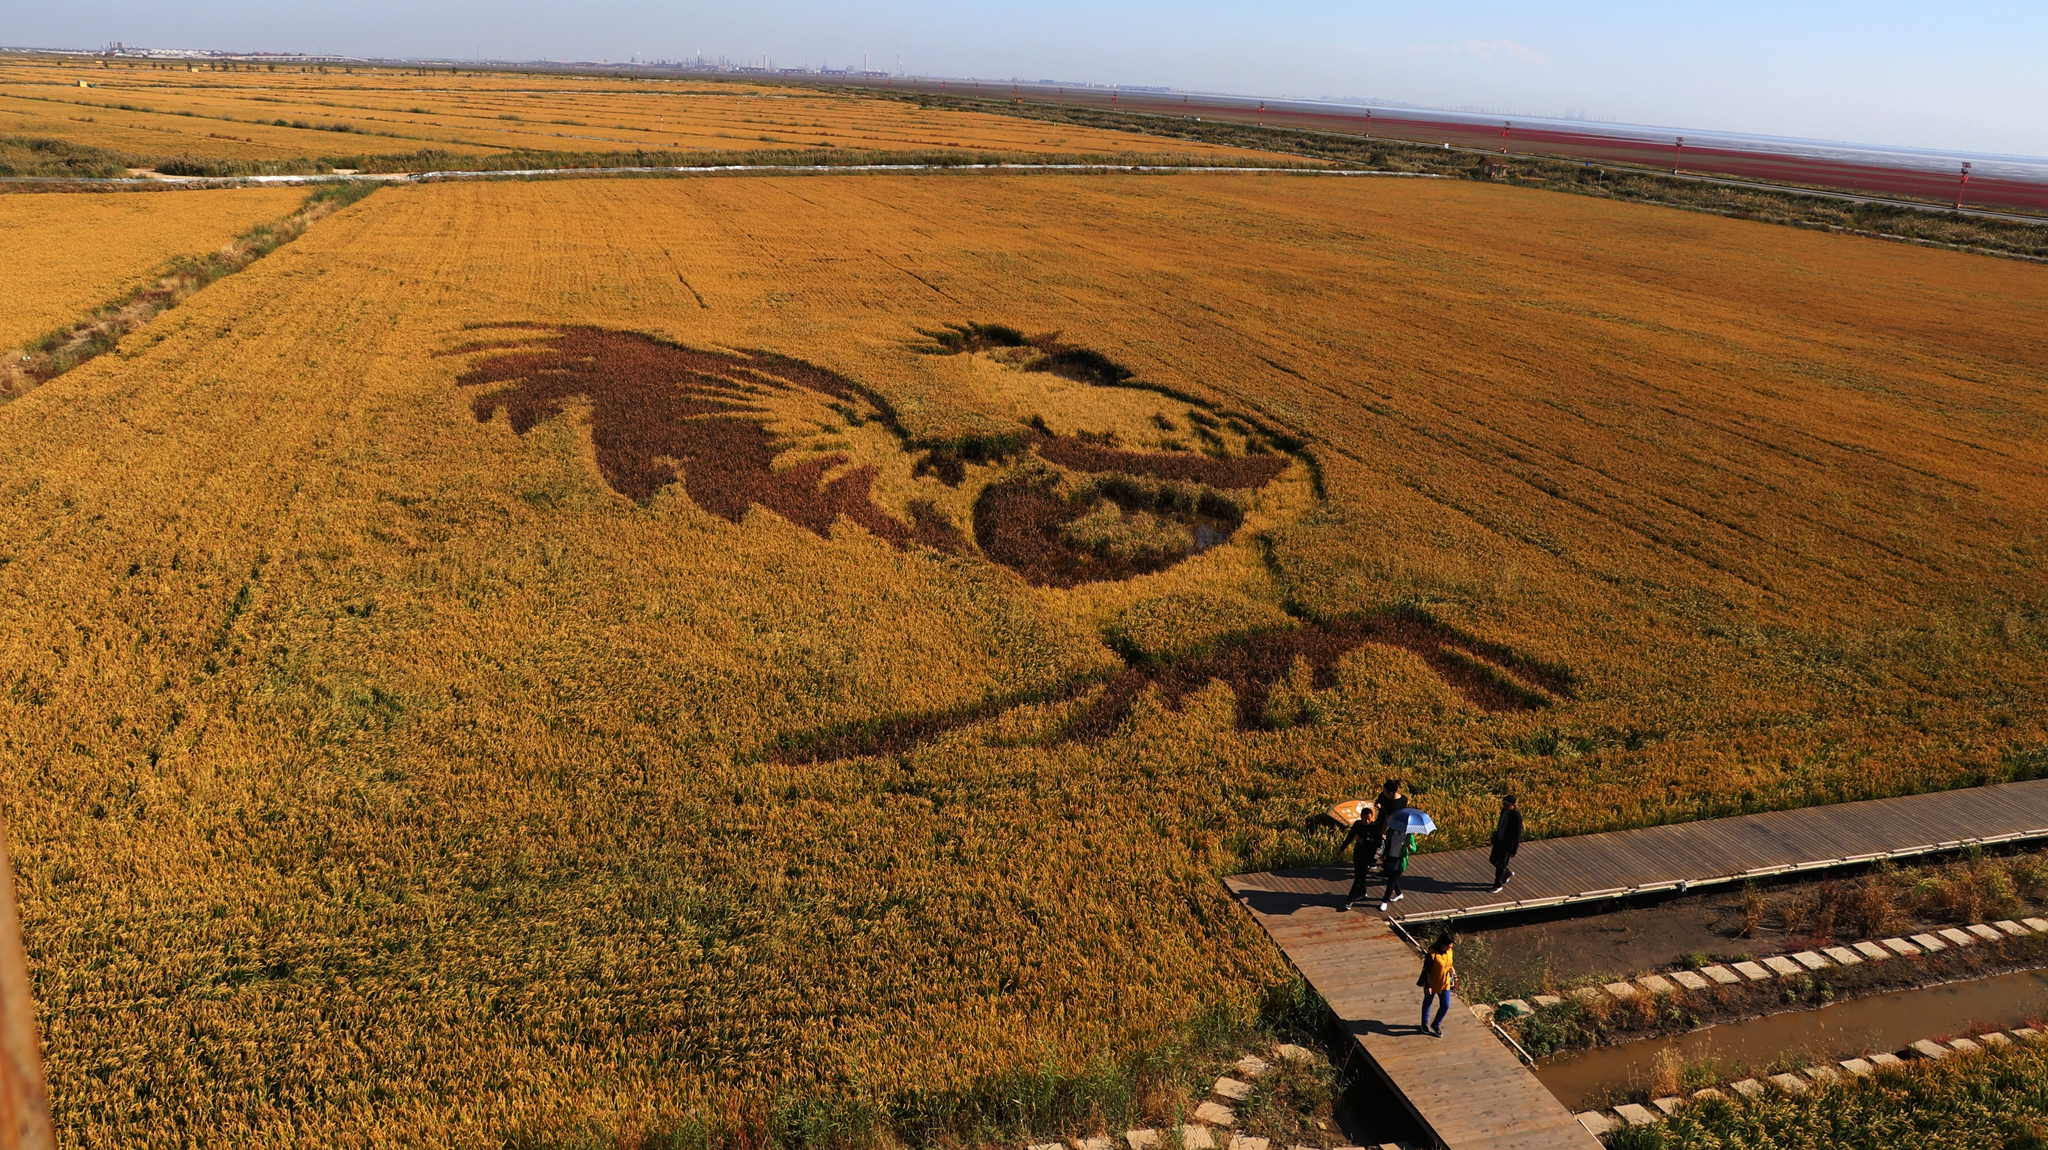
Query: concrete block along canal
{"points": [[1588, 1079]]}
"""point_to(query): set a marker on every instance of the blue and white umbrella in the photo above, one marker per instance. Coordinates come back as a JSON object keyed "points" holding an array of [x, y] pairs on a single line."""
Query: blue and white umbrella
{"points": [[1411, 822]]}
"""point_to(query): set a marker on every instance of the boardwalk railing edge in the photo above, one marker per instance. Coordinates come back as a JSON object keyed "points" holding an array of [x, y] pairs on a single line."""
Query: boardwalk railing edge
{"points": [[1680, 886]]}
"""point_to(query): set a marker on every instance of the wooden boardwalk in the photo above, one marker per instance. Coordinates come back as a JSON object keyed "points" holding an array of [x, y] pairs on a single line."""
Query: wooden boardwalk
{"points": [[1681, 856], [1467, 1088]]}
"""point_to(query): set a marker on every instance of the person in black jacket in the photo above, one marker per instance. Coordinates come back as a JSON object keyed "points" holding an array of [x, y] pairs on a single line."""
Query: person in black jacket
{"points": [[1367, 833], [1391, 802], [1394, 864], [1370, 835], [1507, 839]]}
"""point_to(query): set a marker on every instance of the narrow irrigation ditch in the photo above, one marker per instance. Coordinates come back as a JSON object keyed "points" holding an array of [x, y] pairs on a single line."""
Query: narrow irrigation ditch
{"points": [[1588, 1079]]}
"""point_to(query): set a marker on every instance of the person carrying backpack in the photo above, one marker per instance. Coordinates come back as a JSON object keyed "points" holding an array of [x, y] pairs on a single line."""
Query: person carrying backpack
{"points": [[1394, 864], [1438, 979], [1507, 839], [1389, 805]]}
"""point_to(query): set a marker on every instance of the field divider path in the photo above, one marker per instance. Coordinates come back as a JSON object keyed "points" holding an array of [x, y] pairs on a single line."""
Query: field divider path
{"points": [[1467, 1088], [102, 329], [160, 182], [1682, 856]]}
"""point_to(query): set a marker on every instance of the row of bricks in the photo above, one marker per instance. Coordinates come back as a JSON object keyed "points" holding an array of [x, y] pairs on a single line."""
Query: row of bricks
{"points": [[1636, 1114], [1216, 1111], [1192, 1137], [1779, 966]]}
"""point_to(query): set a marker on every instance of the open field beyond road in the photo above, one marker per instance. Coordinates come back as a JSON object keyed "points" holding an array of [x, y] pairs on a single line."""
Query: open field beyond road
{"points": [[68, 254], [154, 112], [401, 753]]}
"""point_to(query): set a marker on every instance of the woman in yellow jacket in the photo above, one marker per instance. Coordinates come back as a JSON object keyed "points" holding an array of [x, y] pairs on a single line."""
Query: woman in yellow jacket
{"points": [[1439, 978]]}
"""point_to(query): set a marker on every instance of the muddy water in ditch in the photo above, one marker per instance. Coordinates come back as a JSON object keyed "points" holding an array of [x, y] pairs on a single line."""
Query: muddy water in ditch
{"points": [[1589, 1078]]}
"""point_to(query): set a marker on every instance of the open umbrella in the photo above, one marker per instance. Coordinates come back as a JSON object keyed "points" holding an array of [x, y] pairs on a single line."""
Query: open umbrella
{"points": [[1410, 821], [1349, 811]]}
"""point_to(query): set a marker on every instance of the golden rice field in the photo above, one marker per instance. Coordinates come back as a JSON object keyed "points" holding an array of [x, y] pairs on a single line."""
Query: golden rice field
{"points": [[401, 751], [162, 112], [69, 253]]}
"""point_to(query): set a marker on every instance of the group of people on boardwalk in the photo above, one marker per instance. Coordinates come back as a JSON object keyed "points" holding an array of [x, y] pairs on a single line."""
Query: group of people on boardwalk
{"points": [[1379, 851], [1381, 838]]}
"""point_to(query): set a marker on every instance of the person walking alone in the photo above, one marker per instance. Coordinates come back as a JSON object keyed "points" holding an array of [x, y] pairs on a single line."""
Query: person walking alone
{"points": [[1439, 978], [1367, 832], [1507, 839]]}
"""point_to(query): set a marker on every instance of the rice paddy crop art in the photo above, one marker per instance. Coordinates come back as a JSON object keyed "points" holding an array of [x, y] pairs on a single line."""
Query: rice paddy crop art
{"points": [[1265, 671], [752, 429], [1142, 482], [660, 412]]}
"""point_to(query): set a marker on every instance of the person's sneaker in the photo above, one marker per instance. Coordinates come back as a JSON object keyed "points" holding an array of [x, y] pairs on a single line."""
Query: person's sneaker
{"points": [[1436, 1031], [1500, 888], [1383, 906], [1397, 898]]}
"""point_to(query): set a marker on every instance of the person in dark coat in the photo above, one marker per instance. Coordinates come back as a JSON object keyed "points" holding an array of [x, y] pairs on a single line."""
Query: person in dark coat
{"points": [[1393, 849], [1367, 832], [1394, 864], [1507, 839], [1390, 803]]}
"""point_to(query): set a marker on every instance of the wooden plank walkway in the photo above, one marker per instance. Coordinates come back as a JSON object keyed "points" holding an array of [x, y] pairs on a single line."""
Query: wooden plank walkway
{"points": [[1467, 1088], [1592, 868]]}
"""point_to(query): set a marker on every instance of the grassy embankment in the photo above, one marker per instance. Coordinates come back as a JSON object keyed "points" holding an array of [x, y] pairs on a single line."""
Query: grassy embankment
{"points": [[1995, 1098]]}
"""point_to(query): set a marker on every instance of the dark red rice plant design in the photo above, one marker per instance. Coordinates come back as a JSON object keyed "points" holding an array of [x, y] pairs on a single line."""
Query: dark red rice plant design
{"points": [[660, 412], [1078, 454], [1491, 676]]}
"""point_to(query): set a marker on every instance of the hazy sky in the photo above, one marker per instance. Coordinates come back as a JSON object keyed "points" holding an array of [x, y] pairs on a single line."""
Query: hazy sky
{"points": [[1961, 75]]}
